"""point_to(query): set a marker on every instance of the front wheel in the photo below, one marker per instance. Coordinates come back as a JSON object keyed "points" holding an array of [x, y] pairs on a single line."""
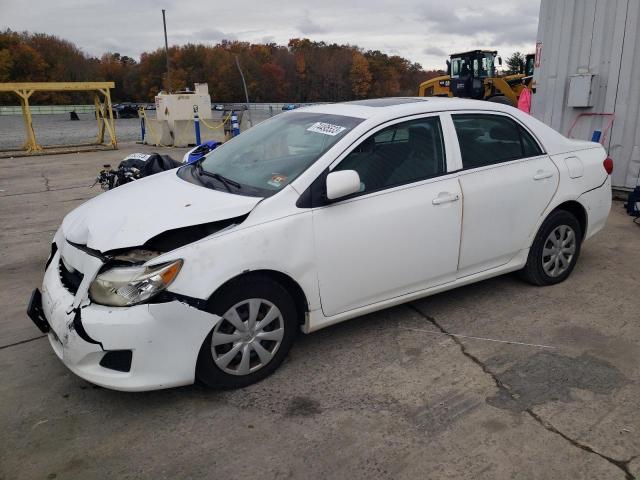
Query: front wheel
{"points": [[555, 250], [256, 330]]}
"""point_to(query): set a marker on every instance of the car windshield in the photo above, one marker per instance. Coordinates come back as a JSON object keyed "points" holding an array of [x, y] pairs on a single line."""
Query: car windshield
{"points": [[265, 158]]}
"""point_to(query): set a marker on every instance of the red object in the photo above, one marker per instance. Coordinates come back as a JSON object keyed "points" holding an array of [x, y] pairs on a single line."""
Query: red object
{"points": [[538, 57], [608, 165], [524, 101]]}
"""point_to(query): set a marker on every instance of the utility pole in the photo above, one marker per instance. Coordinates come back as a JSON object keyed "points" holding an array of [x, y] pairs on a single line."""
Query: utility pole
{"points": [[246, 94], [166, 49]]}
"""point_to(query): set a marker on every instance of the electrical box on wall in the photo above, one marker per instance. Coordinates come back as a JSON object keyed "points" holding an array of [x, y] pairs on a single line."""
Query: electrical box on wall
{"points": [[582, 89]]}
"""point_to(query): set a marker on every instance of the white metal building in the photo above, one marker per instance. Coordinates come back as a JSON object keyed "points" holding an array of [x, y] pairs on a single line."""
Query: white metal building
{"points": [[588, 64]]}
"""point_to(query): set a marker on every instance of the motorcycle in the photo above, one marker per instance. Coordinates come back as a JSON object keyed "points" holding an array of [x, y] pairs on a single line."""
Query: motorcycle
{"points": [[140, 165]]}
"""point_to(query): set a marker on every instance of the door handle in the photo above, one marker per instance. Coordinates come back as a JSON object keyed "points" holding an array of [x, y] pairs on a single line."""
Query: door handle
{"points": [[445, 197], [541, 175]]}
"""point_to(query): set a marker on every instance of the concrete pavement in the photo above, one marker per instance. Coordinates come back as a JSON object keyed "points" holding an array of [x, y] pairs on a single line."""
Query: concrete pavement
{"points": [[543, 383]]}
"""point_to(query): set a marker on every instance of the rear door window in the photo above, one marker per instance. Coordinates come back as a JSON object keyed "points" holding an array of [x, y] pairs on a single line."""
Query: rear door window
{"points": [[490, 139]]}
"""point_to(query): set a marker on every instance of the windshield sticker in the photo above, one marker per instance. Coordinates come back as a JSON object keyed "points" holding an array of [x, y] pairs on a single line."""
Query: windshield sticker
{"points": [[277, 180], [138, 156], [326, 128]]}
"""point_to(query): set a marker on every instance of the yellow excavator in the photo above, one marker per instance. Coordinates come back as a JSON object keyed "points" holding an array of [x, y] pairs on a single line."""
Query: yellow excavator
{"points": [[472, 74]]}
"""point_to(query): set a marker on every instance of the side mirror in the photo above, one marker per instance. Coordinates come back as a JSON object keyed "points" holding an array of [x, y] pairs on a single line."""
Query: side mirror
{"points": [[500, 61], [448, 68], [342, 183]]}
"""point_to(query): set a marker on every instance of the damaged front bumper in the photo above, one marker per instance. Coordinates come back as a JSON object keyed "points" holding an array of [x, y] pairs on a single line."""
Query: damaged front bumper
{"points": [[143, 347]]}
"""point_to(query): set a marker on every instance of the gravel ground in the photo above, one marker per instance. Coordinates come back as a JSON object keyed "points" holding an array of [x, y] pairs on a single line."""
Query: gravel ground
{"points": [[59, 130]]}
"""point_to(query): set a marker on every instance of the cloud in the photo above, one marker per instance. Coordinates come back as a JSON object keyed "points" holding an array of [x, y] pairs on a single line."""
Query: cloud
{"points": [[424, 31], [435, 51], [309, 27], [500, 24], [213, 35], [205, 35], [438, 15]]}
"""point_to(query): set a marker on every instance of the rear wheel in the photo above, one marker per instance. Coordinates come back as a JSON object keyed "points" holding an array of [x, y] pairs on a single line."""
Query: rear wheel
{"points": [[500, 99], [257, 327], [555, 250]]}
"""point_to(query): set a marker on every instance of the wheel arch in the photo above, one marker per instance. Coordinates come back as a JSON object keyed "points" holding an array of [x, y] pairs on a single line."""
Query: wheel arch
{"points": [[501, 99], [505, 89], [577, 210], [293, 287]]}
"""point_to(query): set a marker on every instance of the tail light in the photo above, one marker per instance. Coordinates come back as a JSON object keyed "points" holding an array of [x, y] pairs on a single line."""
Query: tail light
{"points": [[608, 165]]}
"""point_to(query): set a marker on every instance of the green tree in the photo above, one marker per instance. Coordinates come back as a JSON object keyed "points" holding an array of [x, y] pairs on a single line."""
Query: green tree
{"points": [[516, 63]]}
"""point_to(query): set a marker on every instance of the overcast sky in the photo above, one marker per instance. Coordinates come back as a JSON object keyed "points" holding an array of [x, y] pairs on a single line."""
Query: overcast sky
{"points": [[424, 31]]}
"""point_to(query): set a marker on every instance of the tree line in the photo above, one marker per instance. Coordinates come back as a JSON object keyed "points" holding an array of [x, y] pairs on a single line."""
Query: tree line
{"points": [[302, 71]]}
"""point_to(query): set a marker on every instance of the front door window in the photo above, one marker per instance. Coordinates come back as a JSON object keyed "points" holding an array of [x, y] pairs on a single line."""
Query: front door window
{"points": [[399, 154]]}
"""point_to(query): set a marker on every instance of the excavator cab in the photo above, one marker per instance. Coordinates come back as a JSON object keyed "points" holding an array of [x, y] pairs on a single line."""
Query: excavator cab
{"points": [[473, 74], [529, 65], [468, 70]]}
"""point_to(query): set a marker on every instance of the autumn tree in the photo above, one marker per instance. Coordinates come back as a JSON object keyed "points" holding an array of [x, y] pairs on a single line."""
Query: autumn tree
{"points": [[385, 75], [122, 70], [274, 85], [301, 71], [360, 76], [6, 64]]}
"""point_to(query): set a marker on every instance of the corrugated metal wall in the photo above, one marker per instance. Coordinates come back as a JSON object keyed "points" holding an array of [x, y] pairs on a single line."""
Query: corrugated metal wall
{"points": [[600, 37]]}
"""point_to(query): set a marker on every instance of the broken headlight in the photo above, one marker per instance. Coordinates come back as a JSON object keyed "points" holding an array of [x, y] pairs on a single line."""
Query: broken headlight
{"points": [[125, 286]]}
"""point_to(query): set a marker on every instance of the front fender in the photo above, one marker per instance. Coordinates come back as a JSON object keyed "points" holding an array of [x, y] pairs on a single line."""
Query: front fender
{"points": [[284, 245]]}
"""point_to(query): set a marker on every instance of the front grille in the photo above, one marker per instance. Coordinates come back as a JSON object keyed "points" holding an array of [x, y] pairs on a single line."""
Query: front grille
{"points": [[70, 280]]}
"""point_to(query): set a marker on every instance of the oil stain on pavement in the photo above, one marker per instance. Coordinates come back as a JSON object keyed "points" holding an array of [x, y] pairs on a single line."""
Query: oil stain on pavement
{"points": [[547, 376], [303, 406]]}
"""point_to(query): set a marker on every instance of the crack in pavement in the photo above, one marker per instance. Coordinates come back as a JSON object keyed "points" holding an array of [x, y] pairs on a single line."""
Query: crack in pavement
{"points": [[48, 189], [46, 182], [620, 464], [21, 342]]}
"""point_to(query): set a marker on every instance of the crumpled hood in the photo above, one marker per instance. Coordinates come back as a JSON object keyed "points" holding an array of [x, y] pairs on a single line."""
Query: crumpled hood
{"points": [[133, 213]]}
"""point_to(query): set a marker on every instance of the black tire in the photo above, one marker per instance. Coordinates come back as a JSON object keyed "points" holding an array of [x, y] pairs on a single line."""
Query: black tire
{"points": [[534, 271], [249, 287], [501, 99]]}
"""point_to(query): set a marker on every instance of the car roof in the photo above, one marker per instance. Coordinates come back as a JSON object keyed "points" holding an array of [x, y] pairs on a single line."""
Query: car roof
{"points": [[391, 107], [386, 102], [397, 107]]}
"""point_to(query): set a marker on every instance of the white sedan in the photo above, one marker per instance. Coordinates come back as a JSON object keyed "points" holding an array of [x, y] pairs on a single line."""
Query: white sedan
{"points": [[313, 217]]}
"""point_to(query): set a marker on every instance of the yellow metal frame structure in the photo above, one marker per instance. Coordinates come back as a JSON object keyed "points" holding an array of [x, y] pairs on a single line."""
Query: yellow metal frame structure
{"points": [[104, 112]]}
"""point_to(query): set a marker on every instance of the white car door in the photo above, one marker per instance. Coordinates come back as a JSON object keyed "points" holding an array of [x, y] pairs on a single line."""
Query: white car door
{"points": [[507, 182], [401, 232]]}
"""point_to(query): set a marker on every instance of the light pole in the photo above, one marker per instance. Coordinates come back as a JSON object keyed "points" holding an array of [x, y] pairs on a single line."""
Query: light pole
{"points": [[166, 49], [246, 94]]}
